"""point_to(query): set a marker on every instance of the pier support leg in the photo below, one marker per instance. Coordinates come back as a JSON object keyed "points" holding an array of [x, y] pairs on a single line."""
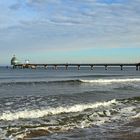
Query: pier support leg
{"points": [[121, 67], [137, 67], [78, 67], [45, 66], [66, 67], [21, 67], [91, 67], [55, 67], [14, 66], [105, 67]]}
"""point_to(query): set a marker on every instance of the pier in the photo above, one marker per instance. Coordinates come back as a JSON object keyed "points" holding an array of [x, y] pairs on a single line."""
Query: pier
{"points": [[91, 66]]}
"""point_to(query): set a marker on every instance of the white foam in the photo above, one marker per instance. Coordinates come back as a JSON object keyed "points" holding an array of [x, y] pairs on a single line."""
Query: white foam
{"points": [[2, 134], [44, 112], [111, 80], [137, 116]]}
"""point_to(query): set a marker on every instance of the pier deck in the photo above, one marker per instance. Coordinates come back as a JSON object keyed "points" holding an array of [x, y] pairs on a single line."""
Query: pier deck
{"points": [[105, 65]]}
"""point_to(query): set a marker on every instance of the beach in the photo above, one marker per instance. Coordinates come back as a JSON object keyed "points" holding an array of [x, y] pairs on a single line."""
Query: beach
{"points": [[70, 104]]}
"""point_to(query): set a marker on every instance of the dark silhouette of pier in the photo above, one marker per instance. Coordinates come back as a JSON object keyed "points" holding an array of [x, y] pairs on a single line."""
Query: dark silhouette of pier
{"points": [[90, 65]]}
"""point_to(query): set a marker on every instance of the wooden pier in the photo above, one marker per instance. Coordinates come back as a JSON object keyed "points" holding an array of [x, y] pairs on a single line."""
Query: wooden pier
{"points": [[91, 66]]}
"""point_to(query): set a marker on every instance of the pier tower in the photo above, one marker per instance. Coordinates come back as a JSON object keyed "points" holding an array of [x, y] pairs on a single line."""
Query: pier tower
{"points": [[14, 61]]}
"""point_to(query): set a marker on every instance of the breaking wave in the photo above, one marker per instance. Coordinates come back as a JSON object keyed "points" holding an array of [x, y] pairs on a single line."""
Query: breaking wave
{"points": [[99, 81], [111, 80], [53, 111], [39, 122], [39, 82]]}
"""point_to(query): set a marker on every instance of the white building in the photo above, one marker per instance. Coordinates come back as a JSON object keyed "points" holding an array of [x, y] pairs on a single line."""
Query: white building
{"points": [[14, 60]]}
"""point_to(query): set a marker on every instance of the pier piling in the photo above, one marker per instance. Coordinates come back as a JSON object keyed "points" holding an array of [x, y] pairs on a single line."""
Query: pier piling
{"points": [[78, 67], [66, 67], [121, 67], [106, 67], [55, 67], [137, 67], [91, 67], [45, 66]]}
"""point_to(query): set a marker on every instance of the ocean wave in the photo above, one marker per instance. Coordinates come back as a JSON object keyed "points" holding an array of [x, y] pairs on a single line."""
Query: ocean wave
{"points": [[33, 123], [40, 82], [53, 111], [98, 76], [74, 81], [137, 116], [111, 80]]}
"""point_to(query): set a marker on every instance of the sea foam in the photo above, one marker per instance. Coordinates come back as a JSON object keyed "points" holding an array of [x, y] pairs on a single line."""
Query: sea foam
{"points": [[111, 80], [37, 113]]}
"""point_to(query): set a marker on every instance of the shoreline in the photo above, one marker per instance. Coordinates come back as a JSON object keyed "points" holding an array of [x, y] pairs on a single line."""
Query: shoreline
{"points": [[129, 131]]}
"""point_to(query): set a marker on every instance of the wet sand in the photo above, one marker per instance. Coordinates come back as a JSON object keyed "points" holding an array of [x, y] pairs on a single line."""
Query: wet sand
{"points": [[130, 131]]}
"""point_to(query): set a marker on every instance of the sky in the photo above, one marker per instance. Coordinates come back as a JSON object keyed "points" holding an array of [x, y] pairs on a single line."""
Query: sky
{"points": [[70, 31]]}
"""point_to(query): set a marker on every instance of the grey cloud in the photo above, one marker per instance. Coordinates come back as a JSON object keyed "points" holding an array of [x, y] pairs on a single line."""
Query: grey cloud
{"points": [[93, 21], [15, 6], [35, 3]]}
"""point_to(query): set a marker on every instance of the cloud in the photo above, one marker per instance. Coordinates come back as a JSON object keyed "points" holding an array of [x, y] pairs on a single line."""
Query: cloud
{"points": [[84, 12], [88, 21]]}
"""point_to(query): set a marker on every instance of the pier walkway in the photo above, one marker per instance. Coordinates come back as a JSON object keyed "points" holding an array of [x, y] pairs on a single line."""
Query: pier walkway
{"points": [[91, 66]]}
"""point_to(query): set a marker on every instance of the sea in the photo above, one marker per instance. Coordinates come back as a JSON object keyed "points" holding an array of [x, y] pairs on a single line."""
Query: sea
{"points": [[85, 104]]}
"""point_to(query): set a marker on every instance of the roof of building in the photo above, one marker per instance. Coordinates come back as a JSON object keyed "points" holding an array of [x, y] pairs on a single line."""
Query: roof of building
{"points": [[14, 60]]}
